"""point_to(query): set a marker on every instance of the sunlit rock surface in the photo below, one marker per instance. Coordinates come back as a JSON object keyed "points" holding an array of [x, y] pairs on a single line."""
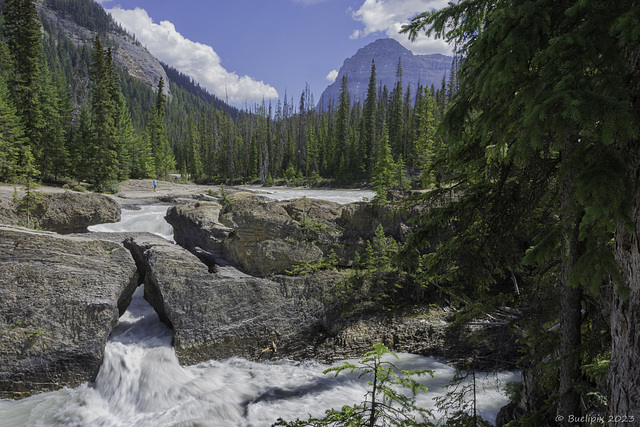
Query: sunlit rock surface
{"points": [[66, 212], [60, 300], [215, 315]]}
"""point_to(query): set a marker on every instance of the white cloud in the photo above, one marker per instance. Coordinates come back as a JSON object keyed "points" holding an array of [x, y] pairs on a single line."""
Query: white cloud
{"points": [[332, 76], [194, 59], [388, 16]]}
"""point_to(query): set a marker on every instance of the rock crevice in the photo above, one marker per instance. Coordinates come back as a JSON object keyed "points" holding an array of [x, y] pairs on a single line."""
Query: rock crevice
{"points": [[225, 313]]}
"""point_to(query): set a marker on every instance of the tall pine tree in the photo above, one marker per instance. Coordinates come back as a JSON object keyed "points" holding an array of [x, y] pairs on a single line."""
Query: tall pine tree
{"points": [[164, 160], [368, 132], [570, 98], [103, 151], [21, 29], [12, 140]]}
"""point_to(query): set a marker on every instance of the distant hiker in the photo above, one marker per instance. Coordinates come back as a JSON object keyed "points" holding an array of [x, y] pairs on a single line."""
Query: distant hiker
{"points": [[155, 184]]}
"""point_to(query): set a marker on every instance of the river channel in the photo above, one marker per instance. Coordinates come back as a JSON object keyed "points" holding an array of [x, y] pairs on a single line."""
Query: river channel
{"points": [[141, 382]]}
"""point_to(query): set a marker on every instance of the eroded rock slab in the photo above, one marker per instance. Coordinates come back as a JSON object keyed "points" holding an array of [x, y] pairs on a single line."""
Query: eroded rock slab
{"points": [[60, 298], [225, 313], [270, 237], [73, 212], [66, 212]]}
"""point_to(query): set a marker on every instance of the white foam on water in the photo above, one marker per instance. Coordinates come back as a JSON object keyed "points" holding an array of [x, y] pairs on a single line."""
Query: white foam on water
{"points": [[141, 382], [332, 195], [149, 218]]}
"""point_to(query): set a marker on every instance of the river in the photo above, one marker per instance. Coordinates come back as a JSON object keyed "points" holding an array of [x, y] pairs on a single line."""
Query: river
{"points": [[333, 195], [141, 382]]}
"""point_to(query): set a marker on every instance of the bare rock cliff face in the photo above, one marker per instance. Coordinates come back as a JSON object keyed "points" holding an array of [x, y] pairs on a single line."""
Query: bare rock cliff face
{"points": [[128, 54], [61, 297]]}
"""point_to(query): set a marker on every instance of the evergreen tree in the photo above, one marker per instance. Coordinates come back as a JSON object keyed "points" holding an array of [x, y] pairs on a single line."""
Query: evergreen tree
{"points": [[556, 127], [164, 159], [390, 401], [425, 142], [194, 163], [6, 59], [313, 152], [396, 115], [57, 109], [29, 179], [81, 145], [126, 139], [22, 32], [141, 157], [384, 171], [104, 150], [368, 132], [341, 159], [12, 140]]}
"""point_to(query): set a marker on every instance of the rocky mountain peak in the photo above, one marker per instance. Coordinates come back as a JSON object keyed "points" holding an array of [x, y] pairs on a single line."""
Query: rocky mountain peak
{"points": [[416, 70]]}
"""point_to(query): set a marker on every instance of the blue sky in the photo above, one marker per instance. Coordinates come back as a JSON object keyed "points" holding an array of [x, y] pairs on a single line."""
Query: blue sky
{"points": [[250, 50]]}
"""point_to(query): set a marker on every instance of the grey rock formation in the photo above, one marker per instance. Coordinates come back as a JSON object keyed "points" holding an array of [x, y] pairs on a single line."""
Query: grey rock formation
{"points": [[128, 54], [427, 334], [236, 235], [61, 296], [425, 70], [226, 313], [265, 238], [73, 212], [260, 237], [269, 237], [66, 212]]}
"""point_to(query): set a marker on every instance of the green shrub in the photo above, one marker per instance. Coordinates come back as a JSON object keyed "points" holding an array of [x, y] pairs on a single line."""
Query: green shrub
{"points": [[109, 186], [390, 401]]}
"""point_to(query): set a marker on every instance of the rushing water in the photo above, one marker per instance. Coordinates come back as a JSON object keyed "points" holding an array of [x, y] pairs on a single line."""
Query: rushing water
{"points": [[287, 193], [141, 382], [148, 218]]}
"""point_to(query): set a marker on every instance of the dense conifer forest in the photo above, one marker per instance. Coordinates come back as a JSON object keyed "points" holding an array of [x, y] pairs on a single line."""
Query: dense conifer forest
{"points": [[91, 121], [531, 160]]}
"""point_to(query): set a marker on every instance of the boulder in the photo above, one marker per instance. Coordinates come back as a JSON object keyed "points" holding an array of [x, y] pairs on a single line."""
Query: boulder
{"points": [[257, 236], [197, 225], [362, 219], [61, 297], [67, 212], [73, 212], [269, 237], [426, 335], [265, 239], [216, 315]]}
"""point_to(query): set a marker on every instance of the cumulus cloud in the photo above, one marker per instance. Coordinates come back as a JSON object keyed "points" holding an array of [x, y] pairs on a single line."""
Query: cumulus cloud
{"points": [[194, 59], [388, 17], [332, 76]]}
